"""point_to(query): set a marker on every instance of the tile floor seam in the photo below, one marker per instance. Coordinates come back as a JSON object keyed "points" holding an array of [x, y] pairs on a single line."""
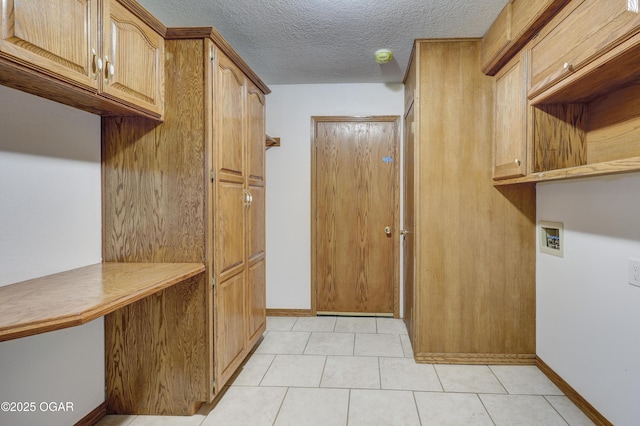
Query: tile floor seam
{"points": [[307, 343], [348, 407], [438, 376], [555, 409], [499, 381], [415, 402], [324, 367], [265, 371], [275, 419], [486, 410]]}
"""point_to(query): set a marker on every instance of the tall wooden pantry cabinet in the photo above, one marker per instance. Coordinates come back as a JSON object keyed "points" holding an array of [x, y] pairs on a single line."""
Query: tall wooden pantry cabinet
{"points": [[470, 284], [191, 189]]}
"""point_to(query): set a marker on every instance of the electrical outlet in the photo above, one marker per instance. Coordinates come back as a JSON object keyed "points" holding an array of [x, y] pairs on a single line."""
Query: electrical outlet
{"points": [[634, 272]]}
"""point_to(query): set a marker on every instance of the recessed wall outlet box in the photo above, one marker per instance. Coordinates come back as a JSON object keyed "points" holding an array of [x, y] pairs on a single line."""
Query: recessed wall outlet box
{"points": [[634, 272], [551, 238]]}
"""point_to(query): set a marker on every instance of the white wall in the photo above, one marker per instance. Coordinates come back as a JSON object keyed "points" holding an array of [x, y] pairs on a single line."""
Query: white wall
{"points": [[588, 317], [289, 111], [50, 221]]}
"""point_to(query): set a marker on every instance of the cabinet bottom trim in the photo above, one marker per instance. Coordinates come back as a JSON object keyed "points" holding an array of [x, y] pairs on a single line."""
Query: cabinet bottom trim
{"points": [[472, 358]]}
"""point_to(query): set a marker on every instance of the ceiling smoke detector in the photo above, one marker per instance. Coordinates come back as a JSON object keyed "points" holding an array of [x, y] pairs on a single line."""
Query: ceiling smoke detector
{"points": [[383, 56]]}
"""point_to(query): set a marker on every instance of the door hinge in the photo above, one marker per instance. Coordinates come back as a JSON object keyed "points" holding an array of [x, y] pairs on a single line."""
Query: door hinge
{"points": [[213, 282], [213, 384], [212, 175], [211, 54]]}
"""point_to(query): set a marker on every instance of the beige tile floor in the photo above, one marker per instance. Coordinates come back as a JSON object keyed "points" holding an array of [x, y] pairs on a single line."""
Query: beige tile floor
{"points": [[360, 371]]}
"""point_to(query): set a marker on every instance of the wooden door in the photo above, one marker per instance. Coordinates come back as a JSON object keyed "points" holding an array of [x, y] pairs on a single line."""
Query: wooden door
{"points": [[355, 198], [133, 59], [408, 222], [231, 203], [256, 277], [56, 37], [510, 119]]}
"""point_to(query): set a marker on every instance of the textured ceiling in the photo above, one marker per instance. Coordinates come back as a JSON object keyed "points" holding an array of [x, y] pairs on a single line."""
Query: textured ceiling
{"points": [[328, 41]]}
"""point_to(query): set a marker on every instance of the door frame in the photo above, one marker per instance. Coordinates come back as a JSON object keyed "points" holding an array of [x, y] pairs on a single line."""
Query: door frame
{"points": [[396, 201]]}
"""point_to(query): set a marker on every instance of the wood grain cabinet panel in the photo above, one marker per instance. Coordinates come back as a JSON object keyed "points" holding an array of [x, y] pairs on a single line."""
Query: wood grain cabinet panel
{"points": [[516, 24], [181, 190], [256, 238], [133, 56], [586, 30], [583, 98], [498, 37], [98, 47], [231, 338], [58, 38], [510, 115], [473, 284]]}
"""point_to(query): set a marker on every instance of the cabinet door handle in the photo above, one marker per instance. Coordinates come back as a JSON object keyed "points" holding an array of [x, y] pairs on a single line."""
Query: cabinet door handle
{"points": [[110, 70], [97, 64], [517, 162], [567, 66]]}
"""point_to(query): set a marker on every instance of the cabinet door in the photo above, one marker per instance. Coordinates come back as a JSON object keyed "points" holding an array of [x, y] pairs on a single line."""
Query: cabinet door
{"points": [[55, 37], [408, 222], [133, 59], [231, 203], [592, 28], [256, 231], [510, 139]]}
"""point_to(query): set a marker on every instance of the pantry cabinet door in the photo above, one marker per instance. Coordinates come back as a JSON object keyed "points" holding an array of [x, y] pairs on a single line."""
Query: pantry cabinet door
{"points": [[231, 203]]}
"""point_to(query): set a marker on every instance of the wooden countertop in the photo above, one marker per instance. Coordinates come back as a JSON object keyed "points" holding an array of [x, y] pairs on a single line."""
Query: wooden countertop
{"points": [[81, 295]]}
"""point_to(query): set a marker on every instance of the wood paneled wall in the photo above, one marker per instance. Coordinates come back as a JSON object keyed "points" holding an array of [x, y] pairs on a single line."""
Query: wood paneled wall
{"points": [[475, 264]]}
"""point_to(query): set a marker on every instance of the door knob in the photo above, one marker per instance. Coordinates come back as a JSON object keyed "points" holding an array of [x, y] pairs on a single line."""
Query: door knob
{"points": [[387, 230]]}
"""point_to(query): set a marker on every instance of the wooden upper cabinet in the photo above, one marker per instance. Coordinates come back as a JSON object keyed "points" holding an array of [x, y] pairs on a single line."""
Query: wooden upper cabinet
{"points": [[583, 32], [510, 150], [498, 37], [98, 46], [133, 57], [516, 24], [58, 38]]}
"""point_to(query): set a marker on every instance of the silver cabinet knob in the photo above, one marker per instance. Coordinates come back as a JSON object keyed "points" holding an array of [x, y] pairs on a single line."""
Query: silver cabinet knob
{"points": [[387, 230], [567, 66], [517, 162]]}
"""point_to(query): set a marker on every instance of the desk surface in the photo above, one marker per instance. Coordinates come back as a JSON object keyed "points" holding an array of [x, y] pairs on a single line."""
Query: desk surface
{"points": [[81, 295]]}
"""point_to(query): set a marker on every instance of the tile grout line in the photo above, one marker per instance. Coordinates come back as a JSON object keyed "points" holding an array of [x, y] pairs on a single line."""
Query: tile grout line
{"points": [[324, 367], [267, 370], [348, 407], [275, 419], [415, 402], [498, 379], [555, 409], [485, 409]]}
